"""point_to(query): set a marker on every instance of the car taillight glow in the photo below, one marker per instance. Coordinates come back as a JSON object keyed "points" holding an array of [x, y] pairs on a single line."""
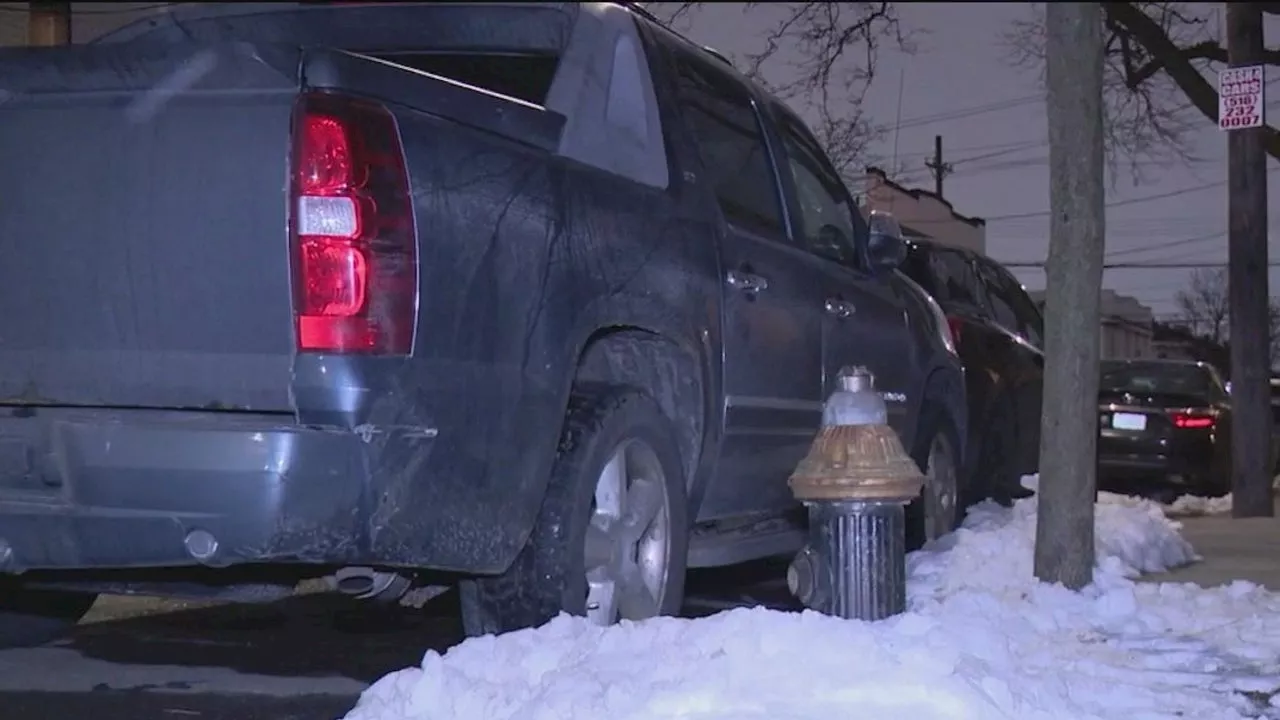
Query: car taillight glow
{"points": [[354, 243], [1192, 420]]}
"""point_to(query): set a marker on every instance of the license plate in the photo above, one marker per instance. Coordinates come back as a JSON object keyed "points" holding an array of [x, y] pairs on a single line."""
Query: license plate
{"points": [[1129, 421]]}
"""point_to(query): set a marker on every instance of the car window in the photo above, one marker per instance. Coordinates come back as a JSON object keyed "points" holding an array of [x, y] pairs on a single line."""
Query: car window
{"points": [[1011, 304], [1218, 388], [1030, 318], [916, 267], [954, 279], [998, 298], [722, 117], [1156, 377], [824, 217]]}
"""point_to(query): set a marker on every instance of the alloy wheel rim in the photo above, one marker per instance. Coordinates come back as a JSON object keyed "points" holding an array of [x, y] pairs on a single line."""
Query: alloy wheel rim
{"points": [[940, 490], [628, 540]]}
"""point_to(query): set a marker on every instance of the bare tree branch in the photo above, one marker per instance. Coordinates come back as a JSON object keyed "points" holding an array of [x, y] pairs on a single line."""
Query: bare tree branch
{"points": [[821, 58], [1205, 309], [1203, 304], [1160, 60]]}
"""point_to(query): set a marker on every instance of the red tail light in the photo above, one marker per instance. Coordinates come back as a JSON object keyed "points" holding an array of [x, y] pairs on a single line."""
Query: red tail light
{"points": [[354, 246], [1192, 420], [956, 325]]}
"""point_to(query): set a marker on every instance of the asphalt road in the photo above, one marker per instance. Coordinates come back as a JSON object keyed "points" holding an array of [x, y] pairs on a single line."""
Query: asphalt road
{"points": [[305, 658]]}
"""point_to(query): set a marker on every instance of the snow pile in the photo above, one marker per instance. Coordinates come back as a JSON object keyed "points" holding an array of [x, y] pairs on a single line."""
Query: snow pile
{"points": [[981, 640], [1194, 505]]}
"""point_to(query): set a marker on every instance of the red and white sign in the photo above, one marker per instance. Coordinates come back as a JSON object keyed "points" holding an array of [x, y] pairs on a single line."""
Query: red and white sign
{"points": [[1241, 98]]}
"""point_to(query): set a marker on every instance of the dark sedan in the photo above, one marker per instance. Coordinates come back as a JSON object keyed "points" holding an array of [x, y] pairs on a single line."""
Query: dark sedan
{"points": [[1166, 423]]}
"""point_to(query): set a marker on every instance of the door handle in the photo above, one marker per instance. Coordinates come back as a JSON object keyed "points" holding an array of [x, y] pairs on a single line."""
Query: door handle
{"points": [[746, 282], [840, 308]]}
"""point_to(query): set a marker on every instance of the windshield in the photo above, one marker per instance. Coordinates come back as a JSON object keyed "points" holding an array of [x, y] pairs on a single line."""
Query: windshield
{"points": [[1155, 377]]}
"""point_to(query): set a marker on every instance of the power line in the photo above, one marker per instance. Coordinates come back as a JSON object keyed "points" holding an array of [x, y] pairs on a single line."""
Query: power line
{"points": [[1166, 245], [1116, 204], [971, 111], [1121, 203], [1020, 144]]}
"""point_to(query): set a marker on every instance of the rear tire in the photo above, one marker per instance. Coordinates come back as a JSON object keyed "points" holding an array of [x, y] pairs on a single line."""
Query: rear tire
{"points": [[995, 473], [613, 523], [939, 509], [34, 617]]}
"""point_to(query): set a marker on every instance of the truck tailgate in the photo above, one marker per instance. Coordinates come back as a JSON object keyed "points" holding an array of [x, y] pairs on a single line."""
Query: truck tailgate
{"points": [[143, 227]]}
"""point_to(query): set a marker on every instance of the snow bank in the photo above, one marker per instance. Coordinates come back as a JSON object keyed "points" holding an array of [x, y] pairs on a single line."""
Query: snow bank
{"points": [[981, 640], [1194, 505]]}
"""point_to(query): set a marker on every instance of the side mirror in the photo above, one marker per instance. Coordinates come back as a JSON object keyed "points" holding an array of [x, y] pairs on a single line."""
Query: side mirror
{"points": [[886, 250]]}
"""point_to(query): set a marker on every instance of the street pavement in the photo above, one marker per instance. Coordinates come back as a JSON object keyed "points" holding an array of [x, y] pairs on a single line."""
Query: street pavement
{"points": [[305, 658], [1244, 549]]}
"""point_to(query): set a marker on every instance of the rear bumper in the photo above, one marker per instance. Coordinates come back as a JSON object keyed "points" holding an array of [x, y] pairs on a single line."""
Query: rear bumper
{"points": [[1183, 461], [179, 489]]}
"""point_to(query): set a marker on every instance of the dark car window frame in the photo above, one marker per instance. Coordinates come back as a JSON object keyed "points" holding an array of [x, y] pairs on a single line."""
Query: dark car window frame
{"points": [[936, 254], [797, 145], [1001, 310], [739, 96], [1003, 287]]}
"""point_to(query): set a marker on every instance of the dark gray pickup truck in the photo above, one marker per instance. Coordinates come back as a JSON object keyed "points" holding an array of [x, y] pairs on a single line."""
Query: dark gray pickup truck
{"points": [[537, 300]]}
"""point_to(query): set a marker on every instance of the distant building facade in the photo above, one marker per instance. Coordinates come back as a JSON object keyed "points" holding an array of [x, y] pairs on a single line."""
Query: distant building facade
{"points": [[1127, 327], [922, 213], [89, 20]]}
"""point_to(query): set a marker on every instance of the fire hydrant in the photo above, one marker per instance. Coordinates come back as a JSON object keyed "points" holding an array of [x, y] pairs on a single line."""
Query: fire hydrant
{"points": [[856, 482]]}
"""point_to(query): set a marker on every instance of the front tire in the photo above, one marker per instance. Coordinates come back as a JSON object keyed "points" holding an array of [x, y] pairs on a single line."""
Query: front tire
{"points": [[30, 617], [611, 539]]}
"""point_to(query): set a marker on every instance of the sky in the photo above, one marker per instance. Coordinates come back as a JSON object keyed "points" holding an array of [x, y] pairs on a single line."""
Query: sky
{"points": [[961, 83]]}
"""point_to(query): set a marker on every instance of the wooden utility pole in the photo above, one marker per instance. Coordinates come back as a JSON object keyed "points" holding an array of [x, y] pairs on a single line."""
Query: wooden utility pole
{"points": [[48, 23], [939, 169], [1069, 435], [1247, 290]]}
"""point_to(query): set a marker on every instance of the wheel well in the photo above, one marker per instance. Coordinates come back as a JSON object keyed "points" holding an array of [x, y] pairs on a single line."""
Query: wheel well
{"points": [[939, 388], [631, 357]]}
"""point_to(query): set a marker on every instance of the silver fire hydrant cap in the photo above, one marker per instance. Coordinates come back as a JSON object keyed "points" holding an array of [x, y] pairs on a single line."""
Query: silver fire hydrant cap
{"points": [[856, 402], [856, 378]]}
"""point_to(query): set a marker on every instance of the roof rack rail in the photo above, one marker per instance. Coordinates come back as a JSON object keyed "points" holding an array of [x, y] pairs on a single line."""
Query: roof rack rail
{"points": [[717, 55]]}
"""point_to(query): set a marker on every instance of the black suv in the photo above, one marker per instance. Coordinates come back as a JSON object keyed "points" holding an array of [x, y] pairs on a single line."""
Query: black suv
{"points": [[998, 332], [550, 332]]}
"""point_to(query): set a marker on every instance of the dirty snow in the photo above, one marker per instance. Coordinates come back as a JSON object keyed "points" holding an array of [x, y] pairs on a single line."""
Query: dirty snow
{"points": [[1194, 506], [982, 639]]}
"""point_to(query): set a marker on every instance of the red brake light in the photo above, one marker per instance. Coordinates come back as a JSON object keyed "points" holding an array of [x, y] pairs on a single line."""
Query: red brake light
{"points": [[354, 244], [1192, 420]]}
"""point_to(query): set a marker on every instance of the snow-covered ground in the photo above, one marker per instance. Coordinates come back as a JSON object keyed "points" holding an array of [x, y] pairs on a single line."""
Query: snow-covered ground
{"points": [[982, 639]]}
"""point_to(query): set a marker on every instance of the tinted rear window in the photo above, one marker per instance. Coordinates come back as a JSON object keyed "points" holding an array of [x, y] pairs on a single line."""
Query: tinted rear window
{"points": [[524, 77], [1162, 378], [916, 267], [945, 274]]}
